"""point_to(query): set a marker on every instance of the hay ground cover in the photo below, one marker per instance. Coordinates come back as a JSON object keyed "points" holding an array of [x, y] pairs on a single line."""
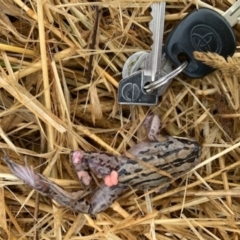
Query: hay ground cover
{"points": [[60, 67]]}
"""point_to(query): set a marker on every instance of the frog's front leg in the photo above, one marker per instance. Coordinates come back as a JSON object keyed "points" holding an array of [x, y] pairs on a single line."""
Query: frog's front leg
{"points": [[152, 123], [104, 165]]}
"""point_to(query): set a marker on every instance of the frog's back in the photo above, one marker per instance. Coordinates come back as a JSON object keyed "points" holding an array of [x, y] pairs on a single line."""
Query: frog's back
{"points": [[174, 156]]}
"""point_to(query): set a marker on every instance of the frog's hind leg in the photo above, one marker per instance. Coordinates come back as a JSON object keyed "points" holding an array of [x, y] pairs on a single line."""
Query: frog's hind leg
{"points": [[104, 196], [74, 200], [27, 175]]}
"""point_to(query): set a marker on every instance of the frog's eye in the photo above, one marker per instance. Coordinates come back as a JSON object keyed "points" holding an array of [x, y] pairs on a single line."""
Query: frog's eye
{"points": [[196, 147]]}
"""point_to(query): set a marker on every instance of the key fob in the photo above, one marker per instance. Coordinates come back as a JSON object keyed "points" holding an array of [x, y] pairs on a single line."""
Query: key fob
{"points": [[131, 90], [202, 30]]}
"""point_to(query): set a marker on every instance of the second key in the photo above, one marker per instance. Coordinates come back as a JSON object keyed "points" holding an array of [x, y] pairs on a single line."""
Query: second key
{"points": [[202, 30]]}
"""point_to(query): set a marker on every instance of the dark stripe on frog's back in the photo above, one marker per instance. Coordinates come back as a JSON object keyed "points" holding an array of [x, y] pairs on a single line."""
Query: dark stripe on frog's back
{"points": [[153, 147], [158, 161], [162, 162], [142, 179], [164, 147], [167, 154], [153, 181], [172, 168], [158, 146]]}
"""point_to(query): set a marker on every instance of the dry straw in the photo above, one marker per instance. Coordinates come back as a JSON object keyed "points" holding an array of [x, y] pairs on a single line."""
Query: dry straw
{"points": [[61, 63]]}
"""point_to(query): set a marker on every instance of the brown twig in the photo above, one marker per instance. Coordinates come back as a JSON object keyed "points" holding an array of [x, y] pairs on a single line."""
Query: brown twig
{"points": [[93, 43]]}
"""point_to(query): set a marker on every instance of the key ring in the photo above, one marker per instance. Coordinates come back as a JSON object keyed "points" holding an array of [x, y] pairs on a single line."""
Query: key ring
{"points": [[163, 80]]}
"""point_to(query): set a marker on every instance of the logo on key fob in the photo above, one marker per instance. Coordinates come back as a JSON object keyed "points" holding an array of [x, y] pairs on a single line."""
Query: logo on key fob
{"points": [[131, 90], [205, 39]]}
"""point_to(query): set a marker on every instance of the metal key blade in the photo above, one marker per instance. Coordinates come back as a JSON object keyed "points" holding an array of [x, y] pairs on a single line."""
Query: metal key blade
{"points": [[153, 62], [232, 14]]}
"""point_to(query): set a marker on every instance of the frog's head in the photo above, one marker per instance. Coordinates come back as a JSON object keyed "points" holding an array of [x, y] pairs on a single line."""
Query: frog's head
{"points": [[193, 146]]}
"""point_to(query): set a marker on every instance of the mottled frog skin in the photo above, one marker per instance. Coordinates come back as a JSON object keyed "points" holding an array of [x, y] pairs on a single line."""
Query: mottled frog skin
{"points": [[174, 156], [148, 164]]}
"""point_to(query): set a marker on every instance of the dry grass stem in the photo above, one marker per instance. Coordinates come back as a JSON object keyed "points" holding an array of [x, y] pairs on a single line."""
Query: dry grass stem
{"points": [[229, 66]]}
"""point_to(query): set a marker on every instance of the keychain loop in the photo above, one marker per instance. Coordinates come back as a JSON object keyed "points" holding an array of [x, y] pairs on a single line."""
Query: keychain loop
{"points": [[163, 80]]}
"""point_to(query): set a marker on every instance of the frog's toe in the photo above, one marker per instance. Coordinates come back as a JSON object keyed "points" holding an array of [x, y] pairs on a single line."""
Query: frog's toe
{"points": [[84, 177], [76, 156]]}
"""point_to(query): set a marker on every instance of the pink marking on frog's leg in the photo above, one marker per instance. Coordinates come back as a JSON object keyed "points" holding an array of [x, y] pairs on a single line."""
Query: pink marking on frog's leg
{"points": [[114, 177], [111, 179], [84, 177], [76, 157]]}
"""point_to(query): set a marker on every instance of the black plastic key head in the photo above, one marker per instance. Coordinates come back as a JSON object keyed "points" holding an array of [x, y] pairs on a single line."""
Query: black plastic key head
{"points": [[131, 90], [202, 30]]}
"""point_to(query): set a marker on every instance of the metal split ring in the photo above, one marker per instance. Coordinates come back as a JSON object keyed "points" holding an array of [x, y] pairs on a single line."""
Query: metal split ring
{"points": [[163, 80]]}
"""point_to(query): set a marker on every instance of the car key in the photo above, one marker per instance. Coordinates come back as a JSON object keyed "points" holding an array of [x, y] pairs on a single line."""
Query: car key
{"points": [[131, 89], [153, 61], [202, 30]]}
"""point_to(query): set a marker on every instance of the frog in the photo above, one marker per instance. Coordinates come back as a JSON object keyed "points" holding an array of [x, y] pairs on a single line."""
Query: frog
{"points": [[152, 162], [104, 165]]}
